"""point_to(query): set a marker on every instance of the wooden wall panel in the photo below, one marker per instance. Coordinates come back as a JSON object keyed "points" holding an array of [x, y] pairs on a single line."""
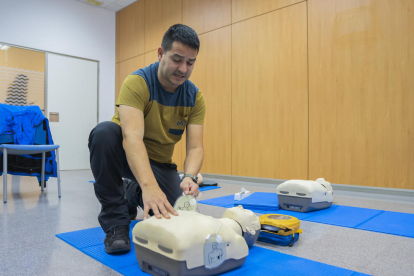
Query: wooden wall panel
{"points": [[270, 95], [159, 16], [151, 57], [212, 75], [177, 158], [130, 31], [204, 16], [244, 9], [361, 64], [125, 68]]}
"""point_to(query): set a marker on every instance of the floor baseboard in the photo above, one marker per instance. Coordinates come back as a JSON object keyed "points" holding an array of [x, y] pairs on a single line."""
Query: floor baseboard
{"points": [[266, 182]]}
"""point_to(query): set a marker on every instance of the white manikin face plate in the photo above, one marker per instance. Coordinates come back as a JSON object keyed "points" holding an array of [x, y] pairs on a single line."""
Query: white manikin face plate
{"points": [[186, 203]]}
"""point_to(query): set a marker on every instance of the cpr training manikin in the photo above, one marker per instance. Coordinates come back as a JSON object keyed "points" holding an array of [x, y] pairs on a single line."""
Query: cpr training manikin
{"points": [[195, 244]]}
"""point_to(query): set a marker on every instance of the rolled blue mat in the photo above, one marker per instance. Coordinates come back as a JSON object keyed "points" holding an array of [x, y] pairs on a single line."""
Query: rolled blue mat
{"points": [[260, 261], [207, 182], [207, 188]]}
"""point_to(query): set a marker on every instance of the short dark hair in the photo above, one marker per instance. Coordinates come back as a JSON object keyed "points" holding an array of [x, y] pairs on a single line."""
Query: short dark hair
{"points": [[182, 34]]}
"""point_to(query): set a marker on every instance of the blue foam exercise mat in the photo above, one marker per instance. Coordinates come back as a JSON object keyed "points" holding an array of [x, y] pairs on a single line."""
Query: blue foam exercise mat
{"points": [[261, 261], [89, 237], [345, 216], [223, 201], [260, 201], [228, 202], [90, 242], [132, 270], [207, 188], [395, 223]]}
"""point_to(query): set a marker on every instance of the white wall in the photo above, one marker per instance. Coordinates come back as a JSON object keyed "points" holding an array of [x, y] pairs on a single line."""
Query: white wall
{"points": [[65, 27]]}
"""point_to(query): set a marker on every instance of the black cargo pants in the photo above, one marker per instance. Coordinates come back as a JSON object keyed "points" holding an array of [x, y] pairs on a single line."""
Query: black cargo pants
{"points": [[109, 165]]}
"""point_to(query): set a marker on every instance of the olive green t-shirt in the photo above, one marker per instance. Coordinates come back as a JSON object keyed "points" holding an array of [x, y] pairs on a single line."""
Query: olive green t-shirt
{"points": [[166, 114]]}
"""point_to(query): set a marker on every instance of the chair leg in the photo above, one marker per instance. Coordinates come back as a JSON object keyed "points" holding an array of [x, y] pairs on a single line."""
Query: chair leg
{"points": [[58, 170], [42, 178], [4, 175]]}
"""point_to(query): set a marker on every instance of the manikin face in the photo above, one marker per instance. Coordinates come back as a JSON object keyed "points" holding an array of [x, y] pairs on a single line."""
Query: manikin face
{"points": [[176, 65]]}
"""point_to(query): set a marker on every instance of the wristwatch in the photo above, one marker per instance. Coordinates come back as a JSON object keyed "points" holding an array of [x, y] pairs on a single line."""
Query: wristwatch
{"points": [[192, 176]]}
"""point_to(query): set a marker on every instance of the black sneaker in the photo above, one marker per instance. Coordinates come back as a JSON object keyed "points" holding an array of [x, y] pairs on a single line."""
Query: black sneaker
{"points": [[117, 240]]}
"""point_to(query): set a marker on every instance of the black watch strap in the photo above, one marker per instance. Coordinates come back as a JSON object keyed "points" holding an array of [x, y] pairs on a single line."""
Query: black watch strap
{"points": [[192, 176]]}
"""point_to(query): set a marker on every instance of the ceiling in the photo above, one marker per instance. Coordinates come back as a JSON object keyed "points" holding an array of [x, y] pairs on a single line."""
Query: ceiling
{"points": [[112, 5]]}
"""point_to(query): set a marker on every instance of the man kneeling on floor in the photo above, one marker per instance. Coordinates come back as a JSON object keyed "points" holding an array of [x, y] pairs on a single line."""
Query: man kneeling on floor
{"points": [[156, 104]]}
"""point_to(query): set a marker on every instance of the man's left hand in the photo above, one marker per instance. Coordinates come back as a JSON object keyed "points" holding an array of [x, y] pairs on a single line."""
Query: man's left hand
{"points": [[189, 187]]}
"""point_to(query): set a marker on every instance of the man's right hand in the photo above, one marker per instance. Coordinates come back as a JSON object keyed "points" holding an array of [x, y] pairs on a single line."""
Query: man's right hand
{"points": [[156, 200]]}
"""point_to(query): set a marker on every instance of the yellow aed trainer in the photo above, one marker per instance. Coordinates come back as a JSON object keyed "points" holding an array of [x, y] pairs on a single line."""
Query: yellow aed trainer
{"points": [[279, 229]]}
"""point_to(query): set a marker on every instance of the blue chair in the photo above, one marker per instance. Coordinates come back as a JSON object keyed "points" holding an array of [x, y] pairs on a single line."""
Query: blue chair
{"points": [[42, 144]]}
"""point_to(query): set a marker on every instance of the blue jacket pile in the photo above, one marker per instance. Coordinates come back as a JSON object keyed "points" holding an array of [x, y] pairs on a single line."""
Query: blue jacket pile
{"points": [[21, 122]]}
